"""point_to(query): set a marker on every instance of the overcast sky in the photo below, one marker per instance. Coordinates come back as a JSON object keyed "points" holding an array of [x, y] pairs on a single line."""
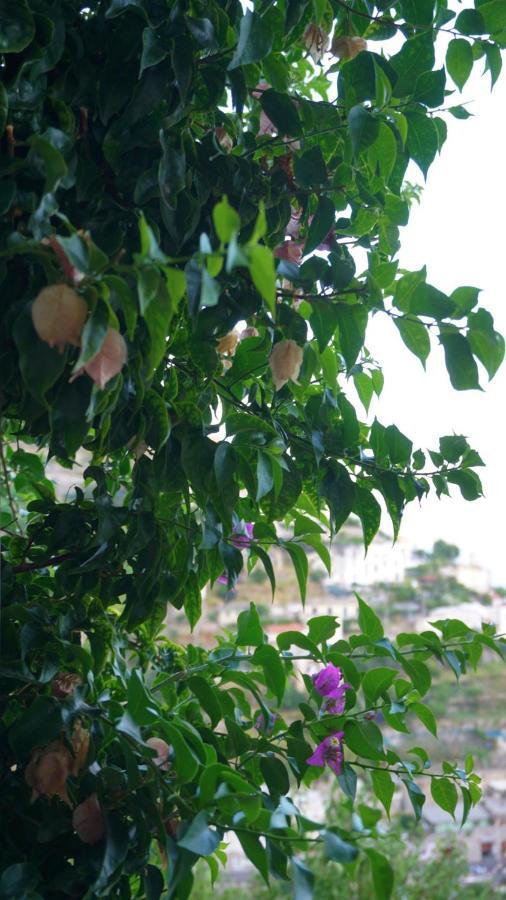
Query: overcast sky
{"points": [[459, 233]]}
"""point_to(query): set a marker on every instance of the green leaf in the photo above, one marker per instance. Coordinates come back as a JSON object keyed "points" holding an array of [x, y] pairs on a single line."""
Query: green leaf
{"points": [[423, 141], [273, 669], [382, 874], [19, 881], [352, 323], [186, 764], [265, 476], [227, 221], [426, 716], [364, 128], [199, 838], [263, 273], [301, 566], [465, 298], [383, 152], [399, 446], [494, 14], [53, 163], [348, 781], [116, 849], [415, 336], [303, 880], [364, 387], [470, 21], [17, 26], [368, 510], [337, 849], [267, 564], [322, 628], [368, 621], [364, 739], [459, 61], [93, 334], [209, 290], [415, 57], [309, 167], [383, 787], [376, 681], [255, 852], [158, 425], [444, 793], [40, 365], [460, 362], [249, 628], [154, 49], [416, 796], [321, 224], [255, 40], [419, 674], [207, 697], [486, 343], [282, 111]]}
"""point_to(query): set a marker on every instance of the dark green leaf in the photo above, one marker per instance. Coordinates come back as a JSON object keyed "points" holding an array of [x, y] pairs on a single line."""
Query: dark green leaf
{"points": [[460, 363], [249, 628], [255, 40], [363, 127], [382, 874], [282, 111], [459, 61], [199, 838], [368, 510], [17, 26], [383, 787], [273, 669], [337, 849], [444, 793], [368, 621]]}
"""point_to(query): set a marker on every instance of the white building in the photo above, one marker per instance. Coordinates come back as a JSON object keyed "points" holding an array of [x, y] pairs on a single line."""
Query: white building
{"points": [[384, 562]]}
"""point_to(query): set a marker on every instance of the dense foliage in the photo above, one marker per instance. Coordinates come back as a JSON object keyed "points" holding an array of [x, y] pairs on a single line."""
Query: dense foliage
{"points": [[201, 211]]}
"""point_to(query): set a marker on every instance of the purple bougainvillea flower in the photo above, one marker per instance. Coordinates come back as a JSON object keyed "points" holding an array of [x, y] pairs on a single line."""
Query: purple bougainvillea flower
{"points": [[329, 684], [242, 539], [266, 727], [329, 752]]}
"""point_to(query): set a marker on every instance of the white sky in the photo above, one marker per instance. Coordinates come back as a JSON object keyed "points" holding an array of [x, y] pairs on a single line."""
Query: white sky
{"points": [[458, 232]]}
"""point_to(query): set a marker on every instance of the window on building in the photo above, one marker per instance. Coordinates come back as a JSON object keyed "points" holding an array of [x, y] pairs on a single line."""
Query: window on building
{"points": [[486, 849]]}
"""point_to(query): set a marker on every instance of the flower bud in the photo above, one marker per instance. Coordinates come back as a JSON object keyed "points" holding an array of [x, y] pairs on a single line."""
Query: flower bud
{"points": [[58, 316], [48, 770], [88, 820], [285, 362], [64, 684], [109, 360], [228, 343], [162, 750], [317, 41], [348, 47], [249, 331], [292, 251], [224, 140]]}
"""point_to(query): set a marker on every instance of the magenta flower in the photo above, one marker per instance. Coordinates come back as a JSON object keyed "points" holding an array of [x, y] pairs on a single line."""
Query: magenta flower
{"points": [[329, 684], [242, 539], [329, 752], [266, 727]]}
